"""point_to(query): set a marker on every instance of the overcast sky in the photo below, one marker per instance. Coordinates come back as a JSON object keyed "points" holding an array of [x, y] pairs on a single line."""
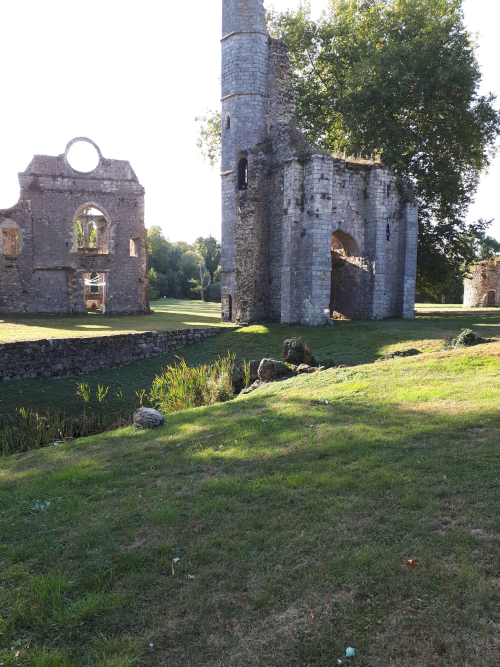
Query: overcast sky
{"points": [[132, 76]]}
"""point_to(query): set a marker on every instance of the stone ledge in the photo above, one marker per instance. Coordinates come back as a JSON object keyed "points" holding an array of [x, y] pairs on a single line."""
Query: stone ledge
{"points": [[64, 357]]}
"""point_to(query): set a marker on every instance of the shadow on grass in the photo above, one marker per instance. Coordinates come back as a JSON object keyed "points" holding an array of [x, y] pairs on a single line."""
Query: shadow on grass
{"points": [[292, 511]]}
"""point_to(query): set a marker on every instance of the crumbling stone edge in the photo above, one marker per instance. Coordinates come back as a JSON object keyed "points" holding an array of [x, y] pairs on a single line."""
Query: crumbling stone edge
{"points": [[64, 357]]}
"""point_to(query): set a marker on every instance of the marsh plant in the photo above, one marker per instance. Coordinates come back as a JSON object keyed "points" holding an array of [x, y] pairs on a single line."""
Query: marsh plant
{"points": [[181, 386]]}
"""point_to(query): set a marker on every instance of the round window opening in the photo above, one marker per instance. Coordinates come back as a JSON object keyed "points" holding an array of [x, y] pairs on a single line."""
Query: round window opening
{"points": [[82, 156]]}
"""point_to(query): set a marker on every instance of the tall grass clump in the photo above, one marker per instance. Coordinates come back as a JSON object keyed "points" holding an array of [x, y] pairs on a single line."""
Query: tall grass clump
{"points": [[181, 386]]}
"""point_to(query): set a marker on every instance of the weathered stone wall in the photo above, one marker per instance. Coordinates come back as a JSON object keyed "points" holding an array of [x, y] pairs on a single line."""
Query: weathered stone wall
{"points": [[47, 273], [482, 286], [277, 233], [63, 357]]}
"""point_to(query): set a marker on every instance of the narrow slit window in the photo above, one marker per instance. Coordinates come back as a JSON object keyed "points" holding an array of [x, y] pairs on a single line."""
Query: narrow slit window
{"points": [[228, 123], [243, 174], [134, 247], [10, 238]]}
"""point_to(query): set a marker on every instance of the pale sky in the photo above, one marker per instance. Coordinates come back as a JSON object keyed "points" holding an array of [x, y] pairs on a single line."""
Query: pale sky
{"points": [[132, 76]]}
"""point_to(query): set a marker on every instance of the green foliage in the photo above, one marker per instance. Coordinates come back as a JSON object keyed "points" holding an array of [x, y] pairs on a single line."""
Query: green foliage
{"points": [[209, 136], [210, 250], [466, 338], [175, 267], [180, 386]]}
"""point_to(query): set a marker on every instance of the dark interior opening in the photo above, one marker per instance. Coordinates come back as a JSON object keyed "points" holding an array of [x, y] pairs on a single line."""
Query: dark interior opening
{"points": [[243, 174], [228, 123]]}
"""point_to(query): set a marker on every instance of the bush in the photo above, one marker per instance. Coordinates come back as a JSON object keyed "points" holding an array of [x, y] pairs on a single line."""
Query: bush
{"points": [[181, 386], [466, 338]]}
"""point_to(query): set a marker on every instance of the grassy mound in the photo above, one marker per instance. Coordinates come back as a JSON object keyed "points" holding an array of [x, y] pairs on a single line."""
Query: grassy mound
{"points": [[277, 529]]}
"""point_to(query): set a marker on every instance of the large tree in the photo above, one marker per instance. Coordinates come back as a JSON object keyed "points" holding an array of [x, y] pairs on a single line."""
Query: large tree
{"points": [[209, 248], [398, 80]]}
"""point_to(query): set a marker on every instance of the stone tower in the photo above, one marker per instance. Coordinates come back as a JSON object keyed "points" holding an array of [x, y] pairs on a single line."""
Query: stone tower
{"points": [[306, 237], [245, 225]]}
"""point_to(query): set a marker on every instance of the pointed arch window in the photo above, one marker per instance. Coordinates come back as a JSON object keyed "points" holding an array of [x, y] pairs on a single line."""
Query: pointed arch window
{"points": [[243, 174]]}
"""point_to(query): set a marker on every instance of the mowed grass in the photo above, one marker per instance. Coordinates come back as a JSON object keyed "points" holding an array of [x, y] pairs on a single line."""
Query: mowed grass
{"points": [[290, 513], [168, 314], [346, 343]]}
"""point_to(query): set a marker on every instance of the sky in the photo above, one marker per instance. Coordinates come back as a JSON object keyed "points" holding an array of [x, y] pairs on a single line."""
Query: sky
{"points": [[132, 77]]}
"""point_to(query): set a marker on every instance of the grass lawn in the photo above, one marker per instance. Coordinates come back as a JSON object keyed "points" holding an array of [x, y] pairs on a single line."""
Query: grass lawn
{"points": [[348, 343], [290, 514], [169, 314], [429, 307]]}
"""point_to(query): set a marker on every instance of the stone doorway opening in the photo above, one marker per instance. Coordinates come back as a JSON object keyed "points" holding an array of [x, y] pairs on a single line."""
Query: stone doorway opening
{"points": [[95, 292], [227, 308], [491, 298], [349, 292]]}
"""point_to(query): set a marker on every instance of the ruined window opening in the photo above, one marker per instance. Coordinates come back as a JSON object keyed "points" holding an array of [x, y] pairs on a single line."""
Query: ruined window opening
{"points": [[346, 283], [243, 174], [228, 123], [92, 231], [134, 247], [491, 298], [10, 241], [344, 244], [82, 156]]}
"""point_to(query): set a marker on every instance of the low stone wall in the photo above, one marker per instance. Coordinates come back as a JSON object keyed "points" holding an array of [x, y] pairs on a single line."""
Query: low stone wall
{"points": [[63, 357]]}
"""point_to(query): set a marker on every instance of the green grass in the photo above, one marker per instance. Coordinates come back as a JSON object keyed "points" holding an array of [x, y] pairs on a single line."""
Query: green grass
{"points": [[348, 343], [169, 314], [423, 307], [293, 508]]}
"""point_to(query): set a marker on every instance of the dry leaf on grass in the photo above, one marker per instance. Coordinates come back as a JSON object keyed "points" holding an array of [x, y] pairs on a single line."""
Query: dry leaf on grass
{"points": [[411, 563], [240, 604]]}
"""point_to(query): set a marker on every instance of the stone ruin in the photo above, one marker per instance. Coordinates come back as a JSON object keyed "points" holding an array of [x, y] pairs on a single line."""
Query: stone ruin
{"points": [[75, 241], [482, 285], [305, 236]]}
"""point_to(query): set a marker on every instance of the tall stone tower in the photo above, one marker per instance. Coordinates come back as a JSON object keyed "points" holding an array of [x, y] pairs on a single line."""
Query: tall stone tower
{"points": [[245, 199], [306, 237]]}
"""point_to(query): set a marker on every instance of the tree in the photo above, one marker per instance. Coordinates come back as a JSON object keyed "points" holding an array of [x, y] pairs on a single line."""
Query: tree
{"points": [[486, 247], [158, 249], [209, 136], [209, 248], [398, 79], [203, 274]]}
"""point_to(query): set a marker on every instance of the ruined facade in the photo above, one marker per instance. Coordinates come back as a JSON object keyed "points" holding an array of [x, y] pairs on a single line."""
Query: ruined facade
{"points": [[305, 237], [75, 241], [482, 285]]}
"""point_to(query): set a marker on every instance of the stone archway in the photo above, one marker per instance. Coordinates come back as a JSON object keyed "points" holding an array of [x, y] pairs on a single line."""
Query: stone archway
{"points": [[350, 279]]}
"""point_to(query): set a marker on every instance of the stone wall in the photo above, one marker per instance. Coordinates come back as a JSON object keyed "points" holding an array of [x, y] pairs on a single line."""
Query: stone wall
{"points": [[482, 286], [46, 272], [63, 357]]}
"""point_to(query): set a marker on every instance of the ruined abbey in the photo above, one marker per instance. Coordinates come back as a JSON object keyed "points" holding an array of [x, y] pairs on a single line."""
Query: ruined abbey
{"points": [[305, 237], [75, 241]]}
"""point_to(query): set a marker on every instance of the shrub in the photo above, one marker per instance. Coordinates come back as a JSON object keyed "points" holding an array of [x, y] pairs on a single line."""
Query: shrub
{"points": [[181, 386]]}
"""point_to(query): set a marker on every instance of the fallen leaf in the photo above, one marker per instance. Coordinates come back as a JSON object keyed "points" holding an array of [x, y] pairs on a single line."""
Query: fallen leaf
{"points": [[34, 604], [226, 624], [409, 609], [302, 534], [312, 615], [173, 571], [444, 587], [327, 600], [221, 635], [340, 597], [240, 604], [411, 563]]}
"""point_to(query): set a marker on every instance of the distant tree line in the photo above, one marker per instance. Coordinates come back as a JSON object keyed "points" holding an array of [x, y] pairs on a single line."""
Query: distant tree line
{"points": [[183, 271]]}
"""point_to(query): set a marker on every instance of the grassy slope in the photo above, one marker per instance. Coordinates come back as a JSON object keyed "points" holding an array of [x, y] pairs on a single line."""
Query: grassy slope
{"points": [[348, 343], [169, 314], [293, 508]]}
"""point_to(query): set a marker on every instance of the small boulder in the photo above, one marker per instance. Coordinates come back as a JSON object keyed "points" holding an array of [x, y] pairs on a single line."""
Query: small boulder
{"points": [[270, 369], [296, 352], [148, 417], [305, 368]]}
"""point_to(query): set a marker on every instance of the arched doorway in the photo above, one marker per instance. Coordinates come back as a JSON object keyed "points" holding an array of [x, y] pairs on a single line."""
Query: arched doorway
{"points": [[350, 282], [227, 308]]}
